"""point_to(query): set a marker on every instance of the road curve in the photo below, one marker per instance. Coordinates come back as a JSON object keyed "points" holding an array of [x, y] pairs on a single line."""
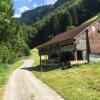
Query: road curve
{"points": [[23, 85]]}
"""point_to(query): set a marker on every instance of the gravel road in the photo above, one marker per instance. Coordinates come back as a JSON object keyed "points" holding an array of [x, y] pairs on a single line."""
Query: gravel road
{"points": [[23, 85]]}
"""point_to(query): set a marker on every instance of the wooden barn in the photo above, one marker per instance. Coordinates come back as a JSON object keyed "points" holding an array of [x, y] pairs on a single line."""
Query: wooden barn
{"points": [[79, 45]]}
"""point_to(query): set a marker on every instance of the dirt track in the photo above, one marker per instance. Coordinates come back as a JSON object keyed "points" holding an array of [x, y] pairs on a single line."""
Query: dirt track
{"points": [[23, 85]]}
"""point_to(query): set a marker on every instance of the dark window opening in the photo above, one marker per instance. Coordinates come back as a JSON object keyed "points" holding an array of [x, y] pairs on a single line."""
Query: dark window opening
{"points": [[54, 56], [79, 55], [67, 56], [99, 31]]}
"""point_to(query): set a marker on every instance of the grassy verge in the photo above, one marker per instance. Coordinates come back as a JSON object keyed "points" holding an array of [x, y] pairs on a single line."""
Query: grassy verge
{"points": [[34, 54], [5, 72], [78, 83]]}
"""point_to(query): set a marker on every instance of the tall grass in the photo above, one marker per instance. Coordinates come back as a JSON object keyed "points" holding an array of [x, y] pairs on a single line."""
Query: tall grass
{"points": [[5, 73]]}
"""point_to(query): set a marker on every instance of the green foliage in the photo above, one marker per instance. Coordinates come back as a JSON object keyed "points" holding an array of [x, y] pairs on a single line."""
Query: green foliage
{"points": [[36, 57], [6, 55], [55, 24], [74, 15], [70, 28], [5, 71], [13, 36]]}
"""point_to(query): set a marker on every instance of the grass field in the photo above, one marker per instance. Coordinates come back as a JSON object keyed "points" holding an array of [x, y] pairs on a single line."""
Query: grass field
{"points": [[5, 73], [77, 83]]}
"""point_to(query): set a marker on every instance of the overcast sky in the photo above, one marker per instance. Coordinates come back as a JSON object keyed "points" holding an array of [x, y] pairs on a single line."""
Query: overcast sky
{"points": [[23, 5]]}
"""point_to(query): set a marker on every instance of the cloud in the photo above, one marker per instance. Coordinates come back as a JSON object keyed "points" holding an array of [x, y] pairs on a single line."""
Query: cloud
{"points": [[35, 5], [49, 1], [17, 15], [23, 9]]}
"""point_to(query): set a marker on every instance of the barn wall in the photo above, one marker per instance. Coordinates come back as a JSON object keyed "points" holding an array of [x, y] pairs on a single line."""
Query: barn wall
{"points": [[81, 42], [94, 57], [93, 42], [81, 46], [94, 38]]}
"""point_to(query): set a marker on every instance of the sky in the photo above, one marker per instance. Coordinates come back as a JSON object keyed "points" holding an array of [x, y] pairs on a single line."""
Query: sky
{"points": [[21, 6]]}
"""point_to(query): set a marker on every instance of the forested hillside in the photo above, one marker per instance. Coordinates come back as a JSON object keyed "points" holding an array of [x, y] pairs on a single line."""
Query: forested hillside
{"points": [[32, 16], [62, 16], [13, 37]]}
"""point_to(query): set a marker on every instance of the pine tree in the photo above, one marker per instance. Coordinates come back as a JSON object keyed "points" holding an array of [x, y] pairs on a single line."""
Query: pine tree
{"points": [[69, 21], [13, 36], [55, 24], [74, 15]]}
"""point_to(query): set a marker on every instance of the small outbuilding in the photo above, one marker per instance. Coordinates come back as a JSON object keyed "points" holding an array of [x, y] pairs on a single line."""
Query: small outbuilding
{"points": [[79, 45]]}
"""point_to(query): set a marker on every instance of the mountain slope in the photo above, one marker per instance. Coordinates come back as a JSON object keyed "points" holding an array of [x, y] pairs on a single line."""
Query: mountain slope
{"points": [[34, 15]]}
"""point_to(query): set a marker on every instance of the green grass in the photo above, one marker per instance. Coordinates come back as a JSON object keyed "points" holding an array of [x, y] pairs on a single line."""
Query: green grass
{"points": [[35, 51], [5, 73], [34, 54], [77, 83], [93, 18]]}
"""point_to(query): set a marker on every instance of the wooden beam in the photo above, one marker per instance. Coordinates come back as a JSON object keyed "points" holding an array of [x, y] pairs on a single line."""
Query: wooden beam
{"points": [[84, 55], [76, 55], [41, 64], [88, 46]]}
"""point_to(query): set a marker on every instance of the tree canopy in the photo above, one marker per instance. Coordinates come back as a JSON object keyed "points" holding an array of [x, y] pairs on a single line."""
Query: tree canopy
{"points": [[14, 37]]}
